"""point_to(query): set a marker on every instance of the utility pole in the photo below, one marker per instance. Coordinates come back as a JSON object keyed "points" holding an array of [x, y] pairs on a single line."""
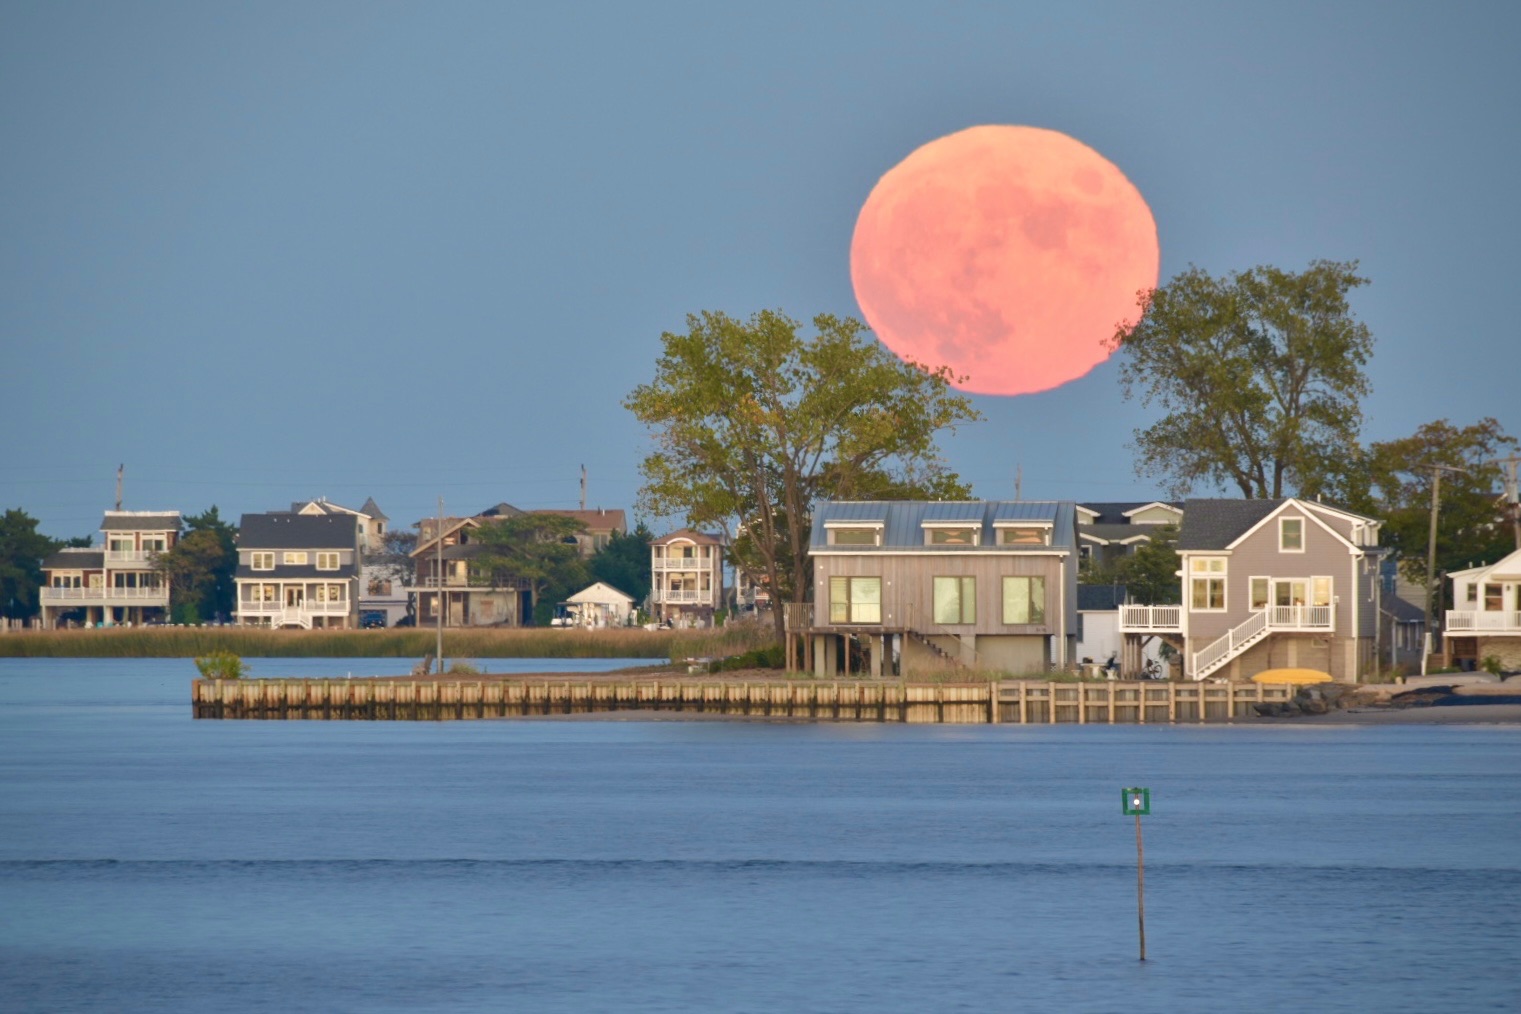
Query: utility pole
{"points": [[1436, 497], [1512, 492], [441, 588], [119, 470], [583, 487]]}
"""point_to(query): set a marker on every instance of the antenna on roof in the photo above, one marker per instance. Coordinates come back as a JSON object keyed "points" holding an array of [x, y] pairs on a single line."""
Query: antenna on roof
{"points": [[119, 469]]}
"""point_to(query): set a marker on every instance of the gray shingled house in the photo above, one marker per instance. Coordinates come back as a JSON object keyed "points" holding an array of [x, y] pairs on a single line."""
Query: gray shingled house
{"points": [[298, 570], [1269, 584], [900, 585]]}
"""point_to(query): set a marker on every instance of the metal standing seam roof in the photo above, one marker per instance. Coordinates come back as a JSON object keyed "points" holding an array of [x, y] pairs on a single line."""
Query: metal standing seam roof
{"points": [[903, 522]]}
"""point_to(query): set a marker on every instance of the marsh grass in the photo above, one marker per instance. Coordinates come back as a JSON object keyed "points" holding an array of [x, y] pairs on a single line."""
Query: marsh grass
{"points": [[253, 642]]}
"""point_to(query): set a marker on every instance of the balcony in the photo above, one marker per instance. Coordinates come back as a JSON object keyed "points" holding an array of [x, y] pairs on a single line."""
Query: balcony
{"points": [[1151, 619], [453, 581], [1483, 621], [105, 596], [131, 557], [1300, 618], [680, 563], [249, 608], [682, 595]]}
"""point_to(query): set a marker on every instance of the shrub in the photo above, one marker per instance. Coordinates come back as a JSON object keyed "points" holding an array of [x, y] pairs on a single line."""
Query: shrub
{"points": [[463, 669], [772, 657], [1491, 665], [221, 665]]}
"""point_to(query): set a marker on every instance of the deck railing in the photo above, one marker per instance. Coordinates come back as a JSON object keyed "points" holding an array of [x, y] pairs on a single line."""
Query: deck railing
{"points": [[1145, 619], [1488, 620]]}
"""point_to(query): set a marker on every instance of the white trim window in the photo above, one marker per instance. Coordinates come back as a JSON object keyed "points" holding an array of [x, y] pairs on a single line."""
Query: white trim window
{"points": [[295, 559], [1291, 535], [937, 534], [955, 600], [327, 561], [261, 561], [857, 536], [1024, 535], [1207, 584], [855, 600]]}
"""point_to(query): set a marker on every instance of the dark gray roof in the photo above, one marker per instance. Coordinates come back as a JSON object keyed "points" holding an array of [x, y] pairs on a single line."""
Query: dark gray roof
{"points": [[1113, 512], [75, 558], [373, 509], [1215, 524], [1096, 597], [902, 522], [299, 572], [141, 521], [501, 510], [284, 530]]}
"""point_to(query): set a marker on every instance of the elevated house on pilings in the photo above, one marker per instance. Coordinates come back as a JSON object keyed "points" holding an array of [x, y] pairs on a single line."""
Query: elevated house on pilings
{"points": [[1486, 619], [1268, 584], [115, 582], [904, 586]]}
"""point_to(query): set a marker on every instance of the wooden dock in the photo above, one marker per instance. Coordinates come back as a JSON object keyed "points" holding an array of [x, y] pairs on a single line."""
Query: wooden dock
{"points": [[1027, 702]]}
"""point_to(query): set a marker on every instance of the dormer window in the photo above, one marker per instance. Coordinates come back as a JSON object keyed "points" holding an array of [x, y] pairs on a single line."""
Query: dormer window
{"points": [[854, 536], [952, 535], [1024, 535], [1291, 535]]}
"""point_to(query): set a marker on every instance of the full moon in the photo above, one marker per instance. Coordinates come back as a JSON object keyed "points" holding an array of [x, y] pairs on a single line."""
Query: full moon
{"points": [[1009, 254]]}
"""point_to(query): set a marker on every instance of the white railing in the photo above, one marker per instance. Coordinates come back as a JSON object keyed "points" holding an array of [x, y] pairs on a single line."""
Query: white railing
{"points": [[1149, 618], [104, 594], [667, 595], [1211, 655], [305, 609], [680, 563], [460, 582], [131, 555], [1484, 619], [1299, 617]]}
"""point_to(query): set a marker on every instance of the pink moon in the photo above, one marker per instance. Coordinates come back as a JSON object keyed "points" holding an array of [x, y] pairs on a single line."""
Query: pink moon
{"points": [[1009, 254]]}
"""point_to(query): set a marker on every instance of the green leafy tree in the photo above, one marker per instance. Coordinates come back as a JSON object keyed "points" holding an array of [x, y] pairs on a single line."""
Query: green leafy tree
{"points": [[624, 562], [200, 568], [22, 550], [537, 549], [754, 423], [1150, 574], [1392, 481], [1259, 376]]}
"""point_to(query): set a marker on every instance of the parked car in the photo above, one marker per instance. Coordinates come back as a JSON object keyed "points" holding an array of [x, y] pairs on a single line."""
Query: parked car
{"points": [[372, 618]]}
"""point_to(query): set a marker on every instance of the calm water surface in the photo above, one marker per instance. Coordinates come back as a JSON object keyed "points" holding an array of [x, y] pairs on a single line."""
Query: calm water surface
{"points": [[152, 862]]}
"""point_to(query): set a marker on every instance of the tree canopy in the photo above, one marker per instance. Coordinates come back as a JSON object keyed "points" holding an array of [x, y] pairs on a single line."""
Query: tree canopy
{"points": [[537, 549], [200, 568], [1392, 480], [1150, 574], [22, 550], [753, 423], [624, 562], [1259, 374]]}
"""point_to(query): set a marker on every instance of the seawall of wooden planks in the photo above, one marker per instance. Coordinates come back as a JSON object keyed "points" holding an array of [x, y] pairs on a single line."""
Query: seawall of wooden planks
{"points": [[1012, 701]]}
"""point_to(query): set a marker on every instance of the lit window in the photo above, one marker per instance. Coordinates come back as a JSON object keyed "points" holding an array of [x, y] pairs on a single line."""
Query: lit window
{"points": [[295, 559], [955, 600], [1207, 591], [1259, 593], [1024, 600], [1291, 535], [953, 536], [262, 561], [855, 600], [1032, 536], [327, 561], [1493, 598]]}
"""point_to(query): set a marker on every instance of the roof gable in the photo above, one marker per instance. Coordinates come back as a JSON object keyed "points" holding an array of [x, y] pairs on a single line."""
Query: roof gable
{"points": [[287, 530]]}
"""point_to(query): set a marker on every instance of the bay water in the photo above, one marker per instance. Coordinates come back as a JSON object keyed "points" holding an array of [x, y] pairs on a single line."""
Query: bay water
{"points": [[153, 862]]}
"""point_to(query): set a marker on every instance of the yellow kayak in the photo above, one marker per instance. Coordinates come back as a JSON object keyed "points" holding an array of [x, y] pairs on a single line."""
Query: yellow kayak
{"points": [[1294, 677]]}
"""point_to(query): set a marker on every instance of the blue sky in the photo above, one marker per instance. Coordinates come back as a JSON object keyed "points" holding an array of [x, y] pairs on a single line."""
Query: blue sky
{"points": [[267, 252]]}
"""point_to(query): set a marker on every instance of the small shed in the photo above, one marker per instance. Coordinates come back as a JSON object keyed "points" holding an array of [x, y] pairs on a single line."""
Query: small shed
{"points": [[600, 605]]}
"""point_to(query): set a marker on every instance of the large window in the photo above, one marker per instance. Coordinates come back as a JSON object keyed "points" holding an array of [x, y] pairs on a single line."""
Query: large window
{"points": [[855, 600], [1494, 598], [1024, 600], [1207, 583], [261, 561], [327, 561], [1291, 535], [1024, 536], [1259, 593], [955, 600], [957, 536], [853, 536], [295, 559]]}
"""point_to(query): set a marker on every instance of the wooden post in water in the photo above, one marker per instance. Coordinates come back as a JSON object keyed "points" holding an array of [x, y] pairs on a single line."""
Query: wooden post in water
{"points": [[1137, 801]]}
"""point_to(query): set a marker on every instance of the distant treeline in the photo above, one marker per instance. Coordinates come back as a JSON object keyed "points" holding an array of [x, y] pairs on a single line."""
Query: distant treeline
{"points": [[253, 642]]}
